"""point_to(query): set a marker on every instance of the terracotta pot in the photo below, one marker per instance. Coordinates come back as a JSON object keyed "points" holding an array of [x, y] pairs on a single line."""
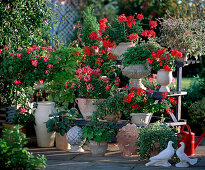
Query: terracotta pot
{"points": [[121, 48], [61, 142], [164, 78], [87, 106], [156, 149], [126, 139], [98, 149], [141, 118], [113, 117], [135, 73]]}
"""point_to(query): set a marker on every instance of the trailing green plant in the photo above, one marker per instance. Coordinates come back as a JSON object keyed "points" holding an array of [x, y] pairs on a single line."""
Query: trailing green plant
{"points": [[13, 153], [184, 35], [113, 105], [157, 132], [65, 62], [139, 53], [61, 121], [24, 23], [197, 113], [99, 131], [23, 117]]}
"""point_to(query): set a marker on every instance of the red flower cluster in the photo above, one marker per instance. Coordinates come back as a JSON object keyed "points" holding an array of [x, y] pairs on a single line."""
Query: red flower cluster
{"points": [[93, 36], [17, 81], [149, 33], [140, 16], [161, 59], [122, 18], [133, 37], [103, 25], [130, 20], [152, 24]]}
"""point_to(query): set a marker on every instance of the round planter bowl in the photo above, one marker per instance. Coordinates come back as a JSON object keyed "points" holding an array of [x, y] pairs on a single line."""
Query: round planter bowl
{"points": [[141, 118], [121, 48], [98, 149]]}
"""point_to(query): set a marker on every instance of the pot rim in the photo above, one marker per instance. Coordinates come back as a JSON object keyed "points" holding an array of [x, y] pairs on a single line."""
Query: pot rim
{"points": [[135, 114], [46, 103]]}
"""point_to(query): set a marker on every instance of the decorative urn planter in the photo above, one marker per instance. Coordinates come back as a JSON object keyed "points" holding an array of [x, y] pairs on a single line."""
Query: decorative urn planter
{"points": [[164, 78], [126, 139], [44, 109], [121, 48], [87, 107], [141, 118], [135, 73], [74, 138], [61, 142], [98, 149]]}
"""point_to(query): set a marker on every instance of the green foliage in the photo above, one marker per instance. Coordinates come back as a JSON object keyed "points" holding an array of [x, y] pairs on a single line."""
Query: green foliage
{"points": [[99, 131], [90, 24], [148, 135], [139, 53], [61, 121], [104, 9], [149, 8], [24, 23], [13, 153], [113, 105], [197, 113], [184, 35], [24, 118], [119, 31], [63, 73]]}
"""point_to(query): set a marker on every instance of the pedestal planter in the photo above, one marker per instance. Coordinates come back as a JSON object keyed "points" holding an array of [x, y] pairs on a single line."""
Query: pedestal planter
{"points": [[141, 118], [42, 112], [61, 142], [86, 106], [121, 48], [74, 138], [135, 73], [98, 149], [164, 78]]}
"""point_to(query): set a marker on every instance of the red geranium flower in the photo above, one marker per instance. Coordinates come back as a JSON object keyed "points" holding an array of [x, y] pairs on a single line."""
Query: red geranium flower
{"points": [[122, 18], [93, 36], [133, 37], [140, 16], [153, 24]]}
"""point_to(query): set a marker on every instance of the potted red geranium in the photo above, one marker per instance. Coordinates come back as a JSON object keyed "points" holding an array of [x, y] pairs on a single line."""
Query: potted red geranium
{"points": [[164, 63]]}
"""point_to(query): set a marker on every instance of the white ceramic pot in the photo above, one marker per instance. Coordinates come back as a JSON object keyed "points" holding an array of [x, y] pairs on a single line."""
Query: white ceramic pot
{"points": [[74, 138], [135, 73], [164, 78], [121, 48], [98, 149], [87, 106], [44, 109], [141, 118], [61, 142]]}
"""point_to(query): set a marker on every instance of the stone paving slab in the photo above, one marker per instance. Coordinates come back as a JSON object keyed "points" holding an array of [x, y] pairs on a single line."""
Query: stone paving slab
{"points": [[113, 160]]}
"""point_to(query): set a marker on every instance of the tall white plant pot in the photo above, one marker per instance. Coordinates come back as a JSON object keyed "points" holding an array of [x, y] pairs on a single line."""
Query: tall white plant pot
{"points": [[136, 73], [44, 109], [164, 78]]}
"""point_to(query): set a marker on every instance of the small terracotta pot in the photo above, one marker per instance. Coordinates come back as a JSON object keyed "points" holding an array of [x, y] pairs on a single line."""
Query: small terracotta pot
{"points": [[61, 142]]}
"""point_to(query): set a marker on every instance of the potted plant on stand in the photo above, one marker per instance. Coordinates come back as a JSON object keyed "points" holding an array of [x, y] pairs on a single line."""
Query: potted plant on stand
{"points": [[111, 109], [124, 31], [98, 134], [140, 105], [60, 122], [164, 63], [134, 62]]}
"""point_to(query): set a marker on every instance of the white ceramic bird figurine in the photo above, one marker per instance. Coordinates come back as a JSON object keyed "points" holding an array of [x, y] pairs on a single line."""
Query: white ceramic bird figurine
{"points": [[162, 158], [184, 159]]}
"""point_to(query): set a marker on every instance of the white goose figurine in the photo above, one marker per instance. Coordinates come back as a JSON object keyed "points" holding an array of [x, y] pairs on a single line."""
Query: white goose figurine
{"points": [[162, 158], [184, 158]]}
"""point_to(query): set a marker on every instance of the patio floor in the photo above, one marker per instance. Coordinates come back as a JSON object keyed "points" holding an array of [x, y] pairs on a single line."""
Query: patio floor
{"points": [[113, 160]]}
